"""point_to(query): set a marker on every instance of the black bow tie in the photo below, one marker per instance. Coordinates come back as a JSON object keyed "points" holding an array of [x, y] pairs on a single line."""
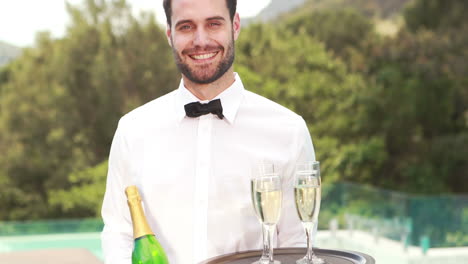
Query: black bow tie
{"points": [[197, 109]]}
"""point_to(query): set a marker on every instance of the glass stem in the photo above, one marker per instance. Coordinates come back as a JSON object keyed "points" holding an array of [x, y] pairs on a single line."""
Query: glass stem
{"points": [[310, 253], [268, 231]]}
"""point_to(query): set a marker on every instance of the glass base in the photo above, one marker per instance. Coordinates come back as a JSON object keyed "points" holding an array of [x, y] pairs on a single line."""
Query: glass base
{"points": [[314, 260], [266, 262]]}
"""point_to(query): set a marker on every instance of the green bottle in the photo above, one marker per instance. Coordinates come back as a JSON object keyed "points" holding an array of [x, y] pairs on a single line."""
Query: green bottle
{"points": [[147, 249]]}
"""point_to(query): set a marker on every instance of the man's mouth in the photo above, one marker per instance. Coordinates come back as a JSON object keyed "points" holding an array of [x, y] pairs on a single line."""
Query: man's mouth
{"points": [[203, 56]]}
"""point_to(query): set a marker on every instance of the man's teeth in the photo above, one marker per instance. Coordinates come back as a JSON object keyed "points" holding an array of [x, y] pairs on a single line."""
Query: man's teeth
{"points": [[203, 56]]}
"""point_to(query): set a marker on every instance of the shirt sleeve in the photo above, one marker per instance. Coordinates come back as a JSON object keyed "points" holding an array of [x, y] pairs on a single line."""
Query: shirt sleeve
{"points": [[289, 229], [116, 237]]}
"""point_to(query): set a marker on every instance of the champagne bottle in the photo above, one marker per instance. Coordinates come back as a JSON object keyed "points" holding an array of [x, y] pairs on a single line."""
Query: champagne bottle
{"points": [[147, 249]]}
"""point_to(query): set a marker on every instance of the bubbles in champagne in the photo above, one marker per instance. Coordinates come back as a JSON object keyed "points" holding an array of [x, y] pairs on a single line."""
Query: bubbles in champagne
{"points": [[266, 197], [307, 197]]}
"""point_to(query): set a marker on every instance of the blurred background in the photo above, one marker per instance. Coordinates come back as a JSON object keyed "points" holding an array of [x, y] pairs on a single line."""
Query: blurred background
{"points": [[383, 86]]}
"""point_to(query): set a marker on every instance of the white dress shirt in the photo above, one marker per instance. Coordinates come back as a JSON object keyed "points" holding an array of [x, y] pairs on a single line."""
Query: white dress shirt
{"points": [[194, 175]]}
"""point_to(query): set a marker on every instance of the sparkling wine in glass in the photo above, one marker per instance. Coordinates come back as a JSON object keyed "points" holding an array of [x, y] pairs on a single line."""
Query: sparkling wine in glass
{"points": [[266, 199], [307, 191]]}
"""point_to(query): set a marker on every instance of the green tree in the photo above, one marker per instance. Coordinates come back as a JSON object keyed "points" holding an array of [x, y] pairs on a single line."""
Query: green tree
{"points": [[294, 69], [344, 31], [420, 106], [436, 15], [61, 101], [84, 198], [346, 34]]}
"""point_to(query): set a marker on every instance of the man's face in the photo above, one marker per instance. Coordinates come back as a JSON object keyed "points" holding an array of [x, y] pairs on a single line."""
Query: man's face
{"points": [[202, 38]]}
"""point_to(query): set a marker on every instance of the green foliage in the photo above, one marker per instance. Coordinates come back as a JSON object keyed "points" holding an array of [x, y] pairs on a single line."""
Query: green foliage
{"points": [[295, 70], [380, 9], [420, 106], [61, 101], [85, 195], [345, 32], [436, 14], [412, 125]]}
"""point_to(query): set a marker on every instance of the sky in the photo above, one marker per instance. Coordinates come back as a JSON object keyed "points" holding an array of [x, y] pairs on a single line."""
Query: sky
{"points": [[21, 19]]}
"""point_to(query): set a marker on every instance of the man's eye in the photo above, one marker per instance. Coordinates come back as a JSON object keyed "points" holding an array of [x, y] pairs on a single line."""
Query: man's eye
{"points": [[185, 27], [214, 24]]}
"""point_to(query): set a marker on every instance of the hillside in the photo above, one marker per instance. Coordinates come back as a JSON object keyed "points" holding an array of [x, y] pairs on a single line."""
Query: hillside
{"points": [[276, 8], [376, 9], [8, 52]]}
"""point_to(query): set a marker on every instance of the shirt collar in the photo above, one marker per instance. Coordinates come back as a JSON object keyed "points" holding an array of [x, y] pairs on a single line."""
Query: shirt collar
{"points": [[230, 99]]}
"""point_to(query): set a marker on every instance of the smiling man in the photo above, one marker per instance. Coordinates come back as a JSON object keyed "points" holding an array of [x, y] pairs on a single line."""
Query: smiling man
{"points": [[191, 152], [202, 34]]}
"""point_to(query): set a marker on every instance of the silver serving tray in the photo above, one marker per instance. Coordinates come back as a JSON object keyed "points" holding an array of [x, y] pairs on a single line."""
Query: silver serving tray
{"points": [[290, 255]]}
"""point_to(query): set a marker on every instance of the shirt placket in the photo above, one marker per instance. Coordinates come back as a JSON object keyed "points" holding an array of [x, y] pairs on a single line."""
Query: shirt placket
{"points": [[202, 170]]}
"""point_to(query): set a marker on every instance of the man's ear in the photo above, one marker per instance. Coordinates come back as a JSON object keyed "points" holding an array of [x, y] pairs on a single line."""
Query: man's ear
{"points": [[168, 34], [236, 25]]}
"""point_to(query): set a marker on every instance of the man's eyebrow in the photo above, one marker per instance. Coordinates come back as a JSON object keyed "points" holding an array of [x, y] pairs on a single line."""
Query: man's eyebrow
{"points": [[183, 22], [216, 18]]}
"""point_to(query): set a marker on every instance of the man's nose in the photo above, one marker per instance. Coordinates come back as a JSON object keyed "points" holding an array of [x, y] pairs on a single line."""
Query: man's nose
{"points": [[201, 38]]}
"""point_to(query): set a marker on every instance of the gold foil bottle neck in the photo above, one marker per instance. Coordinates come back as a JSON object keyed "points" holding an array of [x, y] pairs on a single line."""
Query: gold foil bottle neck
{"points": [[131, 190], [140, 224]]}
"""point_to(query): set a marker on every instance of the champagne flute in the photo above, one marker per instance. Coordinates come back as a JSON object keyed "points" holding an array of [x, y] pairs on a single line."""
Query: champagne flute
{"points": [[266, 198], [307, 190]]}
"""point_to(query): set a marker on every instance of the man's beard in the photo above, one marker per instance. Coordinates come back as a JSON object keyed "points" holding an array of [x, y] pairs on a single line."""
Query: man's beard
{"points": [[200, 76]]}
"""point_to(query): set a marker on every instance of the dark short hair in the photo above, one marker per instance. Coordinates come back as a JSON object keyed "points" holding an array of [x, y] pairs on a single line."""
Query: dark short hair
{"points": [[231, 5]]}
